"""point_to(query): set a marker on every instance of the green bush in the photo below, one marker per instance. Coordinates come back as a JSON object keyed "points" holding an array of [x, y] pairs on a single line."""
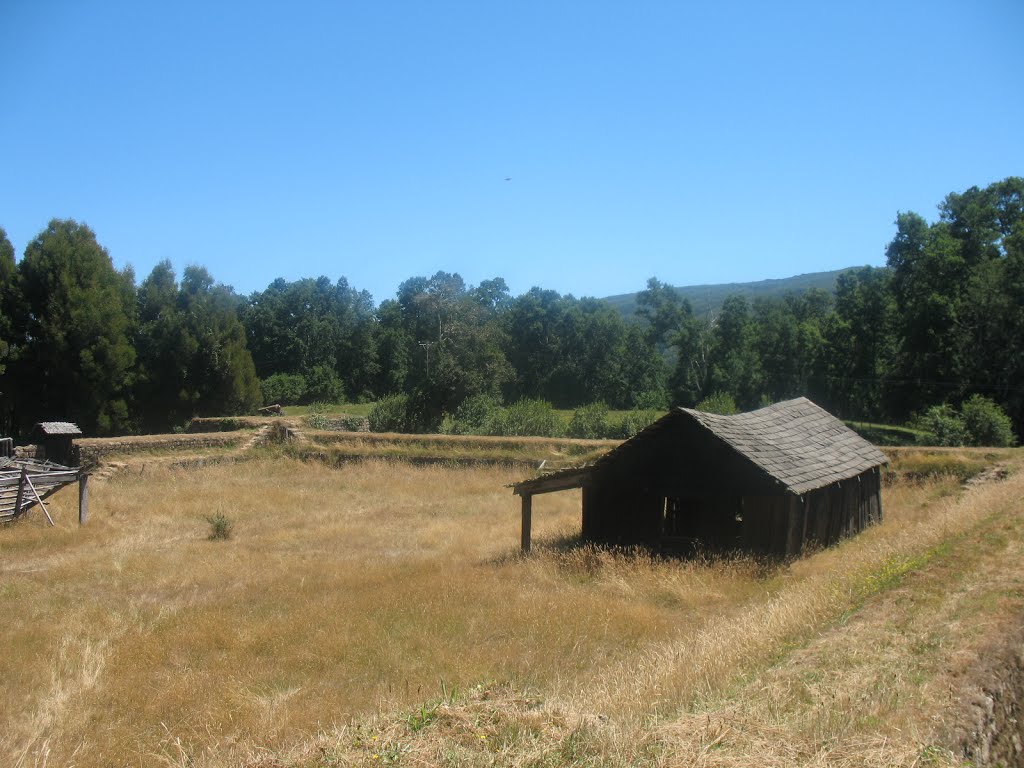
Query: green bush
{"points": [[323, 384], [652, 400], [220, 526], [473, 415], [942, 425], [390, 414], [632, 422], [590, 422], [318, 421], [526, 417], [284, 389], [980, 421], [352, 423], [718, 402], [986, 423]]}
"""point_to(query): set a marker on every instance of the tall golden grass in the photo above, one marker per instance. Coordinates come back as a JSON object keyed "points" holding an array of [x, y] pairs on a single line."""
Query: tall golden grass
{"points": [[349, 604]]}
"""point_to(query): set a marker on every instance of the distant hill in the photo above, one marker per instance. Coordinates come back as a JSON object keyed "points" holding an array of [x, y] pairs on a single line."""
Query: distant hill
{"points": [[705, 297]]}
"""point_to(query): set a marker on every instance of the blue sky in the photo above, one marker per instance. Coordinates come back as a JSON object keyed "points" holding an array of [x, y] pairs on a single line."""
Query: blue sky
{"points": [[695, 142]]}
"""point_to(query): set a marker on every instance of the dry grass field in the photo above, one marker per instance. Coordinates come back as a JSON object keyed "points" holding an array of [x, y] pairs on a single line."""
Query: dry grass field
{"points": [[379, 613]]}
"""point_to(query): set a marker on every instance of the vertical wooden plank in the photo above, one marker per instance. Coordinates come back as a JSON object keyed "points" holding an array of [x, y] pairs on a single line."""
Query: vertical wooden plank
{"points": [[21, 492], [527, 520], [805, 514], [796, 520], [877, 491], [83, 498]]}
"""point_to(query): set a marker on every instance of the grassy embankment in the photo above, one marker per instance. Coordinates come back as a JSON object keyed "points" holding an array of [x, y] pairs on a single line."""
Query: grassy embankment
{"points": [[879, 434], [320, 633], [337, 447]]}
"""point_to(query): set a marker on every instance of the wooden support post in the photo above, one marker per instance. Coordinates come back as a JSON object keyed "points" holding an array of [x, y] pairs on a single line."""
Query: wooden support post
{"points": [[527, 515], [83, 498], [21, 491]]}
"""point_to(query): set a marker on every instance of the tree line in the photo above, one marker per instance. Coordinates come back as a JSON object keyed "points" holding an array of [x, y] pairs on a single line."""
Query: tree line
{"points": [[943, 321]]}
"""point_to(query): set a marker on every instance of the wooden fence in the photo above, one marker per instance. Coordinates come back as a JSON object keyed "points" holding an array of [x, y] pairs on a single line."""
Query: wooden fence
{"points": [[26, 483]]}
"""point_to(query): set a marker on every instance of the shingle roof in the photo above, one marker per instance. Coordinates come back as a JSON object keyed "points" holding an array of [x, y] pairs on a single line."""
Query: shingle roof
{"points": [[52, 428], [799, 444]]}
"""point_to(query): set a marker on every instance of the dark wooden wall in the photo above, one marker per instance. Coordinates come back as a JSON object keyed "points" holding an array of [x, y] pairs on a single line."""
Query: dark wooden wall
{"points": [[781, 524], [60, 449], [842, 509]]}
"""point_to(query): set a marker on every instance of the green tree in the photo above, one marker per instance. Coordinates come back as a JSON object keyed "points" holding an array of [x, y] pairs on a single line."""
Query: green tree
{"points": [[929, 275], [1007, 373], [76, 361], [166, 392], [454, 342], [694, 345], [663, 310], [735, 367], [859, 343], [534, 347], [294, 327], [790, 346], [394, 348], [193, 359], [222, 370], [283, 389], [957, 299], [9, 301]]}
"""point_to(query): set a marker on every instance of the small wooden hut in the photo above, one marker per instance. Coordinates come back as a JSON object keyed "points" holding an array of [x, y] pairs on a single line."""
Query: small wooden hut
{"points": [[57, 439], [771, 481]]}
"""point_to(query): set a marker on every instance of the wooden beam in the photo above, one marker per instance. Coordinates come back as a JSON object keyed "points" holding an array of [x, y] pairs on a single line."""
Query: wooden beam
{"points": [[527, 515], [561, 481], [83, 498], [21, 492], [39, 500]]}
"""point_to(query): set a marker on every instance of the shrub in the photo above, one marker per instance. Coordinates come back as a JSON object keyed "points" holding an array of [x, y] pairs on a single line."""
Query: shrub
{"points": [[318, 421], [220, 526], [323, 384], [942, 425], [389, 414], [652, 400], [526, 417], [283, 388], [986, 423], [632, 422], [353, 423], [473, 415], [718, 402], [590, 422]]}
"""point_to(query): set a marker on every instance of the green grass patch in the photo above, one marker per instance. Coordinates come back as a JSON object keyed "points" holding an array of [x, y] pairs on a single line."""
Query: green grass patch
{"points": [[331, 410], [886, 434], [456, 450], [924, 464]]}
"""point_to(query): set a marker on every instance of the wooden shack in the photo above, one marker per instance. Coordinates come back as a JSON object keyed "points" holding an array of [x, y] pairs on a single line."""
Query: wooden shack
{"points": [[57, 440], [772, 481]]}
